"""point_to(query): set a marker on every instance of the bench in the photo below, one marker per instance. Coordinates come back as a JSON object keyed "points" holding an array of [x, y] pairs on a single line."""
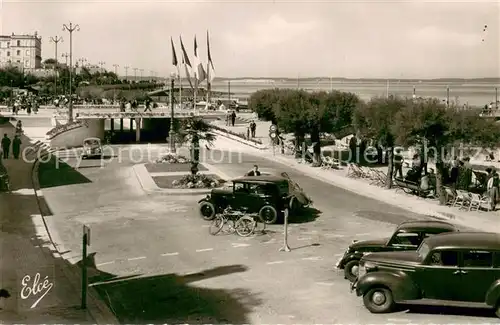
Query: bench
{"points": [[410, 187]]}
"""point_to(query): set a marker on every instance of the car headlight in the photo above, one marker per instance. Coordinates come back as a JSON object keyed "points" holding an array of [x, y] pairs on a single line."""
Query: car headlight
{"points": [[361, 271]]}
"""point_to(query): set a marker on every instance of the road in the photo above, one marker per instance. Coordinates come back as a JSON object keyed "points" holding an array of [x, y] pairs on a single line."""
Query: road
{"points": [[177, 272]]}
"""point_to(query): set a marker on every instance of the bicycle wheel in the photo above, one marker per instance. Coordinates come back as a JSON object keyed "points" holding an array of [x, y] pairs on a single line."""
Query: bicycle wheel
{"points": [[216, 225], [245, 226], [260, 225]]}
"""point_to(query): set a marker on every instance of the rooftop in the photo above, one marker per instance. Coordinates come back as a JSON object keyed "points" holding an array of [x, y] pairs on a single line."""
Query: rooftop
{"points": [[466, 240]]}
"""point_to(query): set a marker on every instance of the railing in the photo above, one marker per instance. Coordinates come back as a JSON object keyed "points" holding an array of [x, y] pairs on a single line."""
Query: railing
{"points": [[63, 128], [134, 114]]}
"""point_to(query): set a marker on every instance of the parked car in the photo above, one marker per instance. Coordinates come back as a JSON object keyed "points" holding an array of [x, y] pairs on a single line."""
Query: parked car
{"points": [[92, 148], [453, 269], [266, 195], [407, 236]]}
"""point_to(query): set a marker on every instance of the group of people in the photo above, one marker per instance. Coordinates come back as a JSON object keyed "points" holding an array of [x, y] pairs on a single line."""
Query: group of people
{"points": [[230, 117], [252, 127], [27, 102], [7, 144]]}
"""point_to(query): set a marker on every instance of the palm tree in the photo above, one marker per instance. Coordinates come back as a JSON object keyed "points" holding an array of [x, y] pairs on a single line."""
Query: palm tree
{"points": [[194, 130]]}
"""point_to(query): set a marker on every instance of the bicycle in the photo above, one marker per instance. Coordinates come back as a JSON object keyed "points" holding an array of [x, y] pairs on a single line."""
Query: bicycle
{"points": [[236, 221]]}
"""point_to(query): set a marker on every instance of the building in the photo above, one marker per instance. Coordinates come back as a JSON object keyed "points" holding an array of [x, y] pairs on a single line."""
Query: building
{"points": [[22, 51]]}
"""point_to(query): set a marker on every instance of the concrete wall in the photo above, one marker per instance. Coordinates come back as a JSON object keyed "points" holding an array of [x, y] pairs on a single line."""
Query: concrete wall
{"points": [[93, 128]]}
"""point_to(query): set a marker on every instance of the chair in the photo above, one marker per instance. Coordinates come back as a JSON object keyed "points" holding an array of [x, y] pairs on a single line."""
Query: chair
{"points": [[450, 196], [463, 198], [328, 163], [478, 200]]}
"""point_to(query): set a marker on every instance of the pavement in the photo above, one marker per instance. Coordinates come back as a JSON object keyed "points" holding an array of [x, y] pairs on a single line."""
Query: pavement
{"points": [[28, 257], [154, 260]]}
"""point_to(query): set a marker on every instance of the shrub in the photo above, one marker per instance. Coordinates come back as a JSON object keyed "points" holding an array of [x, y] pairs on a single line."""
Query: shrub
{"points": [[197, 181], [171, 158]]}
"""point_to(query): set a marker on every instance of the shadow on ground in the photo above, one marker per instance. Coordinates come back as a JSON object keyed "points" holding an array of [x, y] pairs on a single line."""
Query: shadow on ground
{"points": [[458, 311], [171, 298], [304, 215], [55, 172]]}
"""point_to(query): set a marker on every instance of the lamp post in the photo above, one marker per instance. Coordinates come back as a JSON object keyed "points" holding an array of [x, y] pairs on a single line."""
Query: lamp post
{"points": [[65, 56], [135, 74], [126, 72], [171, 131], [116, 68], [71, 28], [141, 70], [56, 40]]}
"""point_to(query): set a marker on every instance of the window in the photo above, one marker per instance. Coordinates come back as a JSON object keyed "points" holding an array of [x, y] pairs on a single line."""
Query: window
{"points": [[18, 43], [8, 44], [478, 259], [18, 52], [8, 53], [406, 239], [26, 63], [444, 258], [18, 61], [239, 187], [27, 52]]}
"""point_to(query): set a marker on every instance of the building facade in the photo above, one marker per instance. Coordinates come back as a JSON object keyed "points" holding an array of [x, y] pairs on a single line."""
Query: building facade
{"points": [[22, 51]]}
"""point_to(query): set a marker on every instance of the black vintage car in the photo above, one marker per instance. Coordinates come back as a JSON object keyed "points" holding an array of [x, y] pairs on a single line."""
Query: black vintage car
{"points": [[407, 236], [453, 269], [266, 195]]}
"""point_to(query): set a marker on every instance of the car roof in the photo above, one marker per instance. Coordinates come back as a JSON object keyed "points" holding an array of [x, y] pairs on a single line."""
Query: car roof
{"points": [[261, 178], [426, 225], [465, 240]]}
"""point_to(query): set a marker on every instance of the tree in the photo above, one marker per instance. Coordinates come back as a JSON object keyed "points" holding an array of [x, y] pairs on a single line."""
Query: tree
{"points": [[374, 120], [262, 102], [194, 130]]}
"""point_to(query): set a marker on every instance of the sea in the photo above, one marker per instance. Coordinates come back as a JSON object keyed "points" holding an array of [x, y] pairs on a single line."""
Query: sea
{"points": [[474, 94]]}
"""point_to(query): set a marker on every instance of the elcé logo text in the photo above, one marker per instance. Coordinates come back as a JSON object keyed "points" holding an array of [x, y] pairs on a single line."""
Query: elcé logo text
{"points": [[35, 288]]}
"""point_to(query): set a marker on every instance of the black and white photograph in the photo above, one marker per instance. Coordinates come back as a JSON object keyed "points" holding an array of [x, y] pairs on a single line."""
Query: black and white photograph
{"points": [[249, 162]]}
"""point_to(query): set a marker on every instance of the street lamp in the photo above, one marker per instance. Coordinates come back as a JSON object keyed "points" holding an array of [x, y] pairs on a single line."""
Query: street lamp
{"points": [[171, 132], [141, 70], [126, 72], [116, 68], [135, 74], [102, 63], [56, 40], [71, 28]]}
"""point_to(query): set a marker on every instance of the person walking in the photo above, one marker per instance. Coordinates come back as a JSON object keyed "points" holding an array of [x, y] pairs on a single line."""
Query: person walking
{"points": [[233, 118], [5, 146], [253, 127], [147, 104], [16, 147], [398, 163], [254, 172], [493, 188]]}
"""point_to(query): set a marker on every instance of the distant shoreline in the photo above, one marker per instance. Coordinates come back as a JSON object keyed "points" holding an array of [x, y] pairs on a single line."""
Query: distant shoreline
{"points": [[333, 79]]}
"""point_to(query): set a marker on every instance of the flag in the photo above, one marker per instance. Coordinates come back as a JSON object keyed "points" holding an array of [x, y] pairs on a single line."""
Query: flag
{"points": [[211, 70], [175, 63], [186, 62], [199, 71]]}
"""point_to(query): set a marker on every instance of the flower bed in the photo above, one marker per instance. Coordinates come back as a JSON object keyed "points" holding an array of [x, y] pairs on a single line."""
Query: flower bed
{"points": [[239, 135], [63, 128], [171, 158], [198, 181]]}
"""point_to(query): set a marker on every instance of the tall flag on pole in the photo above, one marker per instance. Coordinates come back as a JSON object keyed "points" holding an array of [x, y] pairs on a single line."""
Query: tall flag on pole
{"points": [[187, 63], [199, 71], [210, 66], [175, 62]]}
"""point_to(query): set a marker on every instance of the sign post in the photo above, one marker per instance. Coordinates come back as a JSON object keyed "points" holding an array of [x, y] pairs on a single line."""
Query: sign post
{"points": [[86, 242], [273, 134], [285, 247]]}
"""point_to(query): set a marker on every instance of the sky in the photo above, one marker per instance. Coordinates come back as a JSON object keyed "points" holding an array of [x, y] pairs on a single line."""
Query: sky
{"points": [[353, 39]]}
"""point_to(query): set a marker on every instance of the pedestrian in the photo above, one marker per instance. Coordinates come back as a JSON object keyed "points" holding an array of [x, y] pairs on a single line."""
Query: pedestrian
{"points": [[253, 127], [16, 147], [5, 146], [493, 188], [147, 105], [254, 172], [233, 118], [248, 133], [398, 163]]}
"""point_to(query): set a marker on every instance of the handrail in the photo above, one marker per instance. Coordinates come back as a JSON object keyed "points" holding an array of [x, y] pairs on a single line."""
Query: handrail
{"points": [[63, 128]]}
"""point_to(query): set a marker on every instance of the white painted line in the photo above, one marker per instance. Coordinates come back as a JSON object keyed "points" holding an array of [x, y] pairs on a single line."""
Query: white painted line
{"points": [[363, 234], [204, 250], [399, 320], [170, 254], [275, 262], [105, 263], [235, 245], [136, 258], [304, 238], [334, 236], [313, 258], [325, 283]]}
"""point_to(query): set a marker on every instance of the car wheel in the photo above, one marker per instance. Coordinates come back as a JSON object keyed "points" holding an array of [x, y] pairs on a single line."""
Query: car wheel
{"points": [[268, 214], [378, 300], [351, 270], [497, 309], [207, 210]]}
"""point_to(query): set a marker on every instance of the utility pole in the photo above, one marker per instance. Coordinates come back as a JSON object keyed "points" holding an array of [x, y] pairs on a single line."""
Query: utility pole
{"points": [[135, 74], [116, 68], [141, 70], [56, 40], [102, 63], [126, 72], [71, 28]]}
